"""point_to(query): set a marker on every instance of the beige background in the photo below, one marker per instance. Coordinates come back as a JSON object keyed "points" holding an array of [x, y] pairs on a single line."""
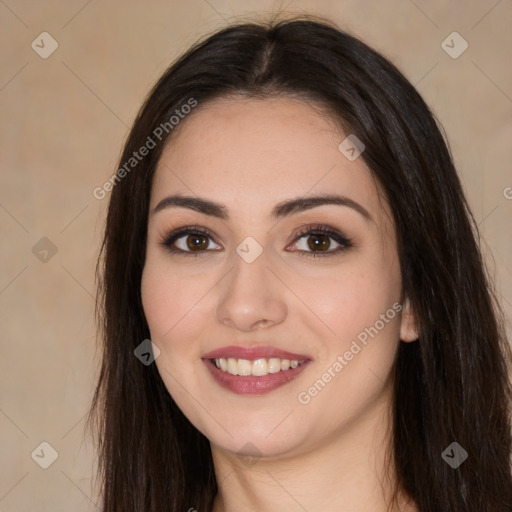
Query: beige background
{"points": [[62, 123]]}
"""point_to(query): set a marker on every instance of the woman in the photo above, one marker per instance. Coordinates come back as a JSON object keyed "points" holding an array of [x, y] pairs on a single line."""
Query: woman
{"points": [[287, 228]]}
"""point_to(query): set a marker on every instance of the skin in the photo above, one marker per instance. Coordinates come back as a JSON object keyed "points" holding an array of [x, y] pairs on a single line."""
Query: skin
{"points": [[271, 451]]}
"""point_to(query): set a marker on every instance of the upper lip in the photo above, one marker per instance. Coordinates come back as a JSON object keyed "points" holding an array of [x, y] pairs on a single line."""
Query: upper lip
{"points": [[252, 353]]}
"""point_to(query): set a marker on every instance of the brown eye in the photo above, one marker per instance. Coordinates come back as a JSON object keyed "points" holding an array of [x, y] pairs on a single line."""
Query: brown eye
{"points": [[189, 240], [194, 242], [320, 240]]}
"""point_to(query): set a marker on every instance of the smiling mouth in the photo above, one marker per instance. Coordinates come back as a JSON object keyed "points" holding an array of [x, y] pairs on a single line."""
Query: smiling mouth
{"points": [[257, 367]]}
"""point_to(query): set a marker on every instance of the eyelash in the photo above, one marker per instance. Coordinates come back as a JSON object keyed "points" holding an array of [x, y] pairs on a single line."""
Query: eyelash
{"points": [[320, 229]]}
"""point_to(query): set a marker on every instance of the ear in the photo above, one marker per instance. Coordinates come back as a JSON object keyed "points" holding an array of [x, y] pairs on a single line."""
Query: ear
{"points": [[408, 323]]}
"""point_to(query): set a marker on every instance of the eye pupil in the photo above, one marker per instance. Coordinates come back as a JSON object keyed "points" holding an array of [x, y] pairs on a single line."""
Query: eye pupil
{"points": [[197, 242], [318, 244]]}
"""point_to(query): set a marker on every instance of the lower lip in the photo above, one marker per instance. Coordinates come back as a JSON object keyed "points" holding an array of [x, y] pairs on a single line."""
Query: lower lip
{"points": [[252, 385]]}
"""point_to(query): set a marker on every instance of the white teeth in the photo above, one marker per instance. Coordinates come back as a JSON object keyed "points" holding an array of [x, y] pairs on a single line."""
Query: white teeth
{"points": [[274, 365], [244, 367], [258, 367], [232, 366]]}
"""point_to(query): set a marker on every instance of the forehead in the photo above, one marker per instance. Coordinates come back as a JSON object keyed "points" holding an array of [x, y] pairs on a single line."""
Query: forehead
{"points": [[254, 153]]}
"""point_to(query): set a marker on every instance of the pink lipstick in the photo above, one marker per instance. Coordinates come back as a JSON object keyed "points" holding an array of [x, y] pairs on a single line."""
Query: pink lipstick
{"points": [[254, 370]]}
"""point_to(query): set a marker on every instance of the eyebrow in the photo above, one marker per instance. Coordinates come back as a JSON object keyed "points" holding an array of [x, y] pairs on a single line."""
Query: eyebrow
{"points": [[282, 209]]}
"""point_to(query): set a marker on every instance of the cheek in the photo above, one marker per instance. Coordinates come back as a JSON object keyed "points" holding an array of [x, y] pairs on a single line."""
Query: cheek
{"points": [[355, 296], [362, 307], [170, 301], [175, 316], [365, 314]]}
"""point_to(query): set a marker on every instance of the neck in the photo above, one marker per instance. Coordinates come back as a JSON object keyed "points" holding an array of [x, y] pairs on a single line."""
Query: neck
{"points": [[348, 472]]}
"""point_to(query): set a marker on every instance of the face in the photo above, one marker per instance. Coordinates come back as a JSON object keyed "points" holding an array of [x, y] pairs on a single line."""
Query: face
{"points": [[262, 279]]}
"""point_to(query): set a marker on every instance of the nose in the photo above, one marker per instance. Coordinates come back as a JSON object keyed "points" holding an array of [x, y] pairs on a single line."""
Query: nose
{"points": [[252, 297]]}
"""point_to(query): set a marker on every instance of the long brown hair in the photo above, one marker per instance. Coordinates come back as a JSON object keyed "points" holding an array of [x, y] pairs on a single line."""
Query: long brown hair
{"points": [[451, 385]]}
